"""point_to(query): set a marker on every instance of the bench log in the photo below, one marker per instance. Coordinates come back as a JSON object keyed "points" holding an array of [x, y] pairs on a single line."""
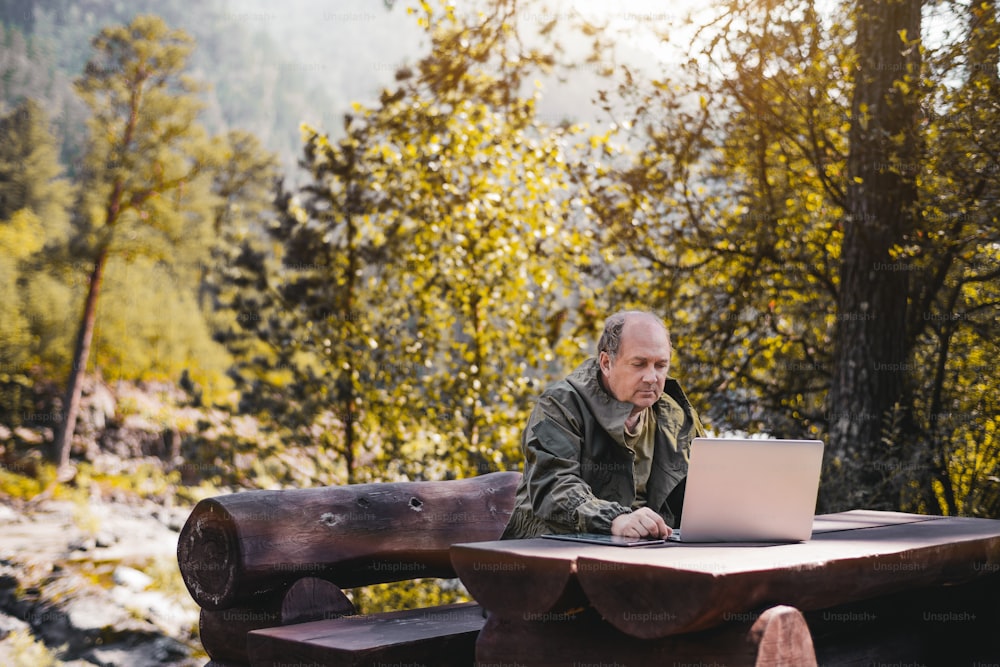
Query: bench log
{"points": [[244, 548], [223, 632]]}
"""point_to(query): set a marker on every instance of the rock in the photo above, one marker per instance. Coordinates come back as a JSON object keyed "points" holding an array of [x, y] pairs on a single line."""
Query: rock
{"points": [[104, 539], [8, 515], [173, 518], [28, 436], [9, 624], [156, 653], [100, 404], [84, 621], [131, 578], [167, 614], [61, 604], [83, 543]]}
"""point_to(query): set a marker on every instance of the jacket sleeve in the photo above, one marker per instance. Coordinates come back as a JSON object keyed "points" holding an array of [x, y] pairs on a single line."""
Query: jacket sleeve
{"points": [[559, 496]]}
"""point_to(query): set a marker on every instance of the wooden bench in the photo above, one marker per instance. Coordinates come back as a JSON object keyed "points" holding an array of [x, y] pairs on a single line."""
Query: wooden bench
{"points": [[268, 569], [437, 636]]}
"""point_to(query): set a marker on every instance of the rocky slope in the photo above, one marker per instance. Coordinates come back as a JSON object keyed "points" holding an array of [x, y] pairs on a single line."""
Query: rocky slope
{"points": [[93, 582]]}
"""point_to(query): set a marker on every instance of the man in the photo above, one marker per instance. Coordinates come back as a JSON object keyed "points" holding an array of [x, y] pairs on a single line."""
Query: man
{"points": [[606, 449]]}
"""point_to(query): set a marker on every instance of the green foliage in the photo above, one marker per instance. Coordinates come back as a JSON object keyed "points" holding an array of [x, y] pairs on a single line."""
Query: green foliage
{"points": [[412, 594], [150, 328], [245, 186], [146, 173], [726, 217], [449, 252], [730, 218], [30, 175], [25, 481], [425, 271], [33, 199]]}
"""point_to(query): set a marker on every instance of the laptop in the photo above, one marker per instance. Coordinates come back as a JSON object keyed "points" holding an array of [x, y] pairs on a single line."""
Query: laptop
{"points": [[750, 490]]}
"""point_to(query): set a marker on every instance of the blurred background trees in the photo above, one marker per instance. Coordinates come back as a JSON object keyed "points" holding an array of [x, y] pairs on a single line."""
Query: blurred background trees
{"points": [[807, 194], [144, 183]]}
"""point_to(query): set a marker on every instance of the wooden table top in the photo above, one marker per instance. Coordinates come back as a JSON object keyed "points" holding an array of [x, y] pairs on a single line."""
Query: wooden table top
{"points": [[656, 591]]}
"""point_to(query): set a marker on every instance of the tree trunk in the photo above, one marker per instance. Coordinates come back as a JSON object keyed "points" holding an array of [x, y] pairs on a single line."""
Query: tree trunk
{"points": [[71, 402], [74, 386], [871, 359]]}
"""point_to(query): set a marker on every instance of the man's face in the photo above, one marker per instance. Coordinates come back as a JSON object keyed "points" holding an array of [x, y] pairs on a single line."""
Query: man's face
{"points": [[638, 373]]}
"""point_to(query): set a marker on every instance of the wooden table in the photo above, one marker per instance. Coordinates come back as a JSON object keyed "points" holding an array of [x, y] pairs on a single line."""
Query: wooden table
{"points": [[865, 586]]}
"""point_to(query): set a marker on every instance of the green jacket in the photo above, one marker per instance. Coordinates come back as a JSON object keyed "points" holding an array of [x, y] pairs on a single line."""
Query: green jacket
{"points": [[578, 473]]}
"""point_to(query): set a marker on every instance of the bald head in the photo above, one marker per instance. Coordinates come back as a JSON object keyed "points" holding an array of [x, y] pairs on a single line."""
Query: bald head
{"points": [[615, 326]]}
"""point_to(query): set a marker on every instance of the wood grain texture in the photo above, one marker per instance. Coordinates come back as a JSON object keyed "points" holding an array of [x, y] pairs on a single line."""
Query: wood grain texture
{"points": [[223, 632], [655, 592], [238, 549], [443, 635]]}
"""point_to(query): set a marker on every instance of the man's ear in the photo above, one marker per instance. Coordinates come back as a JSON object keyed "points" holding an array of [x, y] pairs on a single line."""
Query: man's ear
{"points": [[605, 363]]}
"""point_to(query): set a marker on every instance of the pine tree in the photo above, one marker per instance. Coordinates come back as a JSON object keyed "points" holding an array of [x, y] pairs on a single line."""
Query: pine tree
{"points": [[145, 168]]}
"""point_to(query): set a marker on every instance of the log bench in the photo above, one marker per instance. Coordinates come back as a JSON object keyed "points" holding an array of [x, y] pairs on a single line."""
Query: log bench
{"points": [[268, 569]]}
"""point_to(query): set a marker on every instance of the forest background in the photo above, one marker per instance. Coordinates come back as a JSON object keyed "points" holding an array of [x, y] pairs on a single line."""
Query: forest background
{"points": [[282, 269]]}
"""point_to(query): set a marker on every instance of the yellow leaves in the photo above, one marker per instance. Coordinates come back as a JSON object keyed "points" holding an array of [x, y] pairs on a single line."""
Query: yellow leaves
{"points": [[22, 235], [813, 202], [863, 116], [299, 213]]}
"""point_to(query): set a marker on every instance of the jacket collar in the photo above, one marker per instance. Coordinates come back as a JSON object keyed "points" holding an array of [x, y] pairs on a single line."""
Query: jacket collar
{"points": [[609, 412]]}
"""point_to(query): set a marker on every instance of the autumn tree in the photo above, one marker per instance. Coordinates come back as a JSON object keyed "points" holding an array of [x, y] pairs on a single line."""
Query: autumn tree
{"points": [[722, 212], [33, 214], [496, 262], [34, 196], [426, 268], [733, 217], [954, 262], [145, 169]]}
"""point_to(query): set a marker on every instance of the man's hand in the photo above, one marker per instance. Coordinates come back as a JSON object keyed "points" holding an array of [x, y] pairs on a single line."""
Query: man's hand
{"points": [[643, 522]]}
